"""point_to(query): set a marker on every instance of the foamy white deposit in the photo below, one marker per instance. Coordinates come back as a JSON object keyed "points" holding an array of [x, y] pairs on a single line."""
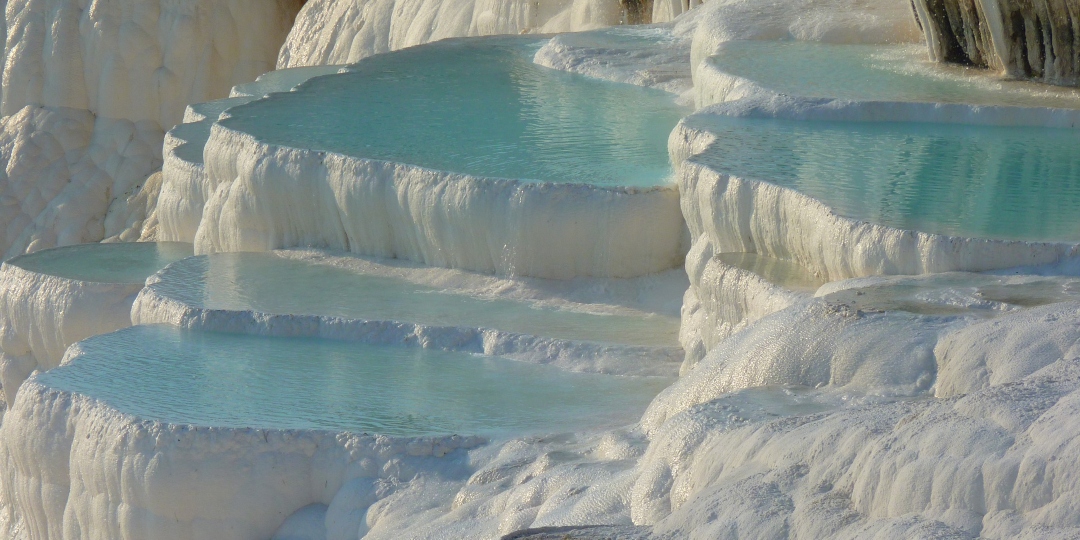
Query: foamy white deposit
{"points": [[729, 214], [565, 354], [68, 175], [653, 56], [268, 197], [775, 461], [734, 214], [185, 187], [738, 96], [718, 458], [836, 416], [240, 194], [724, 298], [653, 293], [331, 32]]}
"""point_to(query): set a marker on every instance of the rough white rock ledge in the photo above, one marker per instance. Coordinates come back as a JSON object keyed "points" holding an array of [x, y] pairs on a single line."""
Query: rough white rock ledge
{"points": [[152, 306], [734, 214], [268, 197], [76, 468]]}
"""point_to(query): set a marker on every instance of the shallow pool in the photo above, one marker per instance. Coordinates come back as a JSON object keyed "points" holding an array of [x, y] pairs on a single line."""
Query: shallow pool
{"points": [[878, 73], [270, 283], [974, 181], [124, 262], [229, 380], [480, 107]]}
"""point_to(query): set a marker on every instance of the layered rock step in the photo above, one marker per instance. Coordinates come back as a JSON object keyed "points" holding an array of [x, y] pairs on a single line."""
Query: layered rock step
{"points": [[347, 297], [55, 297]]}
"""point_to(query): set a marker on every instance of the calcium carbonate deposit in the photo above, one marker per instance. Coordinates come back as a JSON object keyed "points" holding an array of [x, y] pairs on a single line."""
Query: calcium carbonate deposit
{"points": [[747, 269]]}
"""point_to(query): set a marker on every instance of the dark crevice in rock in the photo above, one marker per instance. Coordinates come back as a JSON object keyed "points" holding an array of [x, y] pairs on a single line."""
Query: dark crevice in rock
{"points": [[637, 11], [962, 36]]}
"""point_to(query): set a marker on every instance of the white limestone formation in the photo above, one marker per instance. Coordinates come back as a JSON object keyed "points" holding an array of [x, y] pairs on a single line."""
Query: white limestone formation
{"points": [[329, 32]]}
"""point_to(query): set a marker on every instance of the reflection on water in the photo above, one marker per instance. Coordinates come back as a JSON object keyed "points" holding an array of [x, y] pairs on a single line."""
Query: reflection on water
{"points": [[209, 379]]}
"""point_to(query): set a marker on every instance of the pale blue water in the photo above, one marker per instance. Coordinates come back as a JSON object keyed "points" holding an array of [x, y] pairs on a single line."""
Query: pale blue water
{"points": [[269, 283], [877, 73], [974, 181], [228, 380], [126, 262], [476, 106]]}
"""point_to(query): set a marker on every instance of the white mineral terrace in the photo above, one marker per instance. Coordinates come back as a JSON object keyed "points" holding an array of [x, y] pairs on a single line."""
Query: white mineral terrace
{"points": [[56, 297], [760, 271], [393, 302], [463, 183]]}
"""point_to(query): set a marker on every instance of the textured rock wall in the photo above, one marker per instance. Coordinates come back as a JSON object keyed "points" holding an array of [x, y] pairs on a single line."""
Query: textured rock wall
{"points": [[506, 227], [341, 32], [1027, 39], [89, 88]]}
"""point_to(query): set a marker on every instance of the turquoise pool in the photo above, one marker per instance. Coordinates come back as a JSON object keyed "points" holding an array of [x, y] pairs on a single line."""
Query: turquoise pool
{"points": [[228, 380], [480, 107], [974, 181], [106, 263], [270, 283]]}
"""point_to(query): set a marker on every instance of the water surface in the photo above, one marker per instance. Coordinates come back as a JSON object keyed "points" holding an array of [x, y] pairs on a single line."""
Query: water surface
{"points": [[121, 262], [476, 106], [878, 73], [270, 283], [232, 380], [973, 181]]}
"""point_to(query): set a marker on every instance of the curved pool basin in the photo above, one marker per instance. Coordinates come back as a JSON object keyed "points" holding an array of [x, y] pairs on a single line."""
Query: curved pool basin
{"points": [[230, 380], [478, 107], [271, 283], [1013, 183], [121, 262]]}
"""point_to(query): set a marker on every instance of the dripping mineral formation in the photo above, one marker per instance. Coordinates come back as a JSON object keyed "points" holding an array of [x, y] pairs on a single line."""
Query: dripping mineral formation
{"points": [[1031, 40]]}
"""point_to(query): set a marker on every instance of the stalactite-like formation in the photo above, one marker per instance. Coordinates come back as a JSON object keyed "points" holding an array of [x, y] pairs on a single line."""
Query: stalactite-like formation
{"points": [[1029, 39]]}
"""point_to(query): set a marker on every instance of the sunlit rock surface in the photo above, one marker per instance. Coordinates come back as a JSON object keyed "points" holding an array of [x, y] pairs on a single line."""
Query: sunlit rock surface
{"points": [[90, 88], [343, 32], [137, 60], [67, 175], [653, 56]]}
